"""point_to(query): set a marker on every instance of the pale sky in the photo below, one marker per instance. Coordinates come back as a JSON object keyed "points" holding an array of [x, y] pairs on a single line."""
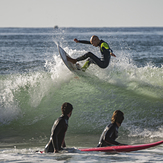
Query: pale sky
{"points": [[81, 13]]}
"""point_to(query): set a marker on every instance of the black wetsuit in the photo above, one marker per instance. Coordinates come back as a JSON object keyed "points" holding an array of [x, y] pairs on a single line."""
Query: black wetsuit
{"points": [[109, 135], [105, 50], [57, 134]]}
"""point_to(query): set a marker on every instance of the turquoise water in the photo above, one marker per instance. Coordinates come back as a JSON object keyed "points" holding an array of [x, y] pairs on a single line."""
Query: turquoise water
{"points": [[34, 83]]}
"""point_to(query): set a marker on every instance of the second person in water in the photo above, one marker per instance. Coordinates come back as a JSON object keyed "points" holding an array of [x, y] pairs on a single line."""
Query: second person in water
{"points": [[110, 132]]}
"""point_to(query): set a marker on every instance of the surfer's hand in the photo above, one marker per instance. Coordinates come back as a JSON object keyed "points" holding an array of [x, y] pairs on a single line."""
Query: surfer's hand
{"points": [[112, 54], [63, 144], [76, 40]]}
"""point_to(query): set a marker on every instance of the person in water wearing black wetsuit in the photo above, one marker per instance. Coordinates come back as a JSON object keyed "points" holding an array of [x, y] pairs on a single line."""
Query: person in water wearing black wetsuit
{"points": [[59, 129], [105, 50], [110, 132]]}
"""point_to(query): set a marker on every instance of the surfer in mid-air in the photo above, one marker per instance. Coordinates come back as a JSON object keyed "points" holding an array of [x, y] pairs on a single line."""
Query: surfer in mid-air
{"points": [[105, 50]]}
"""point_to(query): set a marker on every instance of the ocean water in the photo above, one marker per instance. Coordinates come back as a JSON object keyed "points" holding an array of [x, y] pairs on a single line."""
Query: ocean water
{"points": [[34, 83]]}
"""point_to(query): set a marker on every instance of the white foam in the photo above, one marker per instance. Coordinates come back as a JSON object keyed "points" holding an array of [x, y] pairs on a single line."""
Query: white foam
{"points": [[122, 72], [9, 109], [29, 155], [138, 131], [36, 84]]}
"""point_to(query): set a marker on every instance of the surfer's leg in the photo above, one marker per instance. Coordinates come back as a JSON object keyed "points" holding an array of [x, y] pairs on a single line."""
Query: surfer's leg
{"points": [[71, 60], [83, 57], [93, 59]]}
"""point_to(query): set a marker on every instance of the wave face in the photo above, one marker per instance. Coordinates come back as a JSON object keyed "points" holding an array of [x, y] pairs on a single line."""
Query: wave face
{"points": [[34, 82]]}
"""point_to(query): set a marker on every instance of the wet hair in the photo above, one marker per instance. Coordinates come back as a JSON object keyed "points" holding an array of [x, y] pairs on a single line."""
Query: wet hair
{"points": [[118, 116], [66, 108]]}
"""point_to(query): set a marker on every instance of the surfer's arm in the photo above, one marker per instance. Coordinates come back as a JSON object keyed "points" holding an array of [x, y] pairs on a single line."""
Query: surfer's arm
{"points": [[111, 142], [109, 138], [106, 51], [54, 136], [63, 144], [82, 41]]}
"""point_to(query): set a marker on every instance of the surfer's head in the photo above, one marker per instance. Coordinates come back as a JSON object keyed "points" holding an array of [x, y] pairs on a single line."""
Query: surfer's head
{"points": [[94, 40], [118, 117], [66, 108]]}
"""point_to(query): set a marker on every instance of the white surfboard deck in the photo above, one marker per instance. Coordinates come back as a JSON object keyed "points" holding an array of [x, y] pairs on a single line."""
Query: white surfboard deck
{"points": [[70, 66]]}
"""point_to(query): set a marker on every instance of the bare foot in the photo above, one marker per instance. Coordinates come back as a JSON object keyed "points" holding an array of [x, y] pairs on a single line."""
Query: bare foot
{"points": [[71, 60]]}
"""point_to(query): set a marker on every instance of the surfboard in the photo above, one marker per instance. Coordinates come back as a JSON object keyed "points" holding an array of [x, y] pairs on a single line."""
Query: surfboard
{"points": [[70, 66], [115, 149], [124, 148]]}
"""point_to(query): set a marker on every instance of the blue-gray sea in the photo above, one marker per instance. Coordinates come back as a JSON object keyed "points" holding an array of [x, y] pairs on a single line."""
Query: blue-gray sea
{"points": [[34, 83]]}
